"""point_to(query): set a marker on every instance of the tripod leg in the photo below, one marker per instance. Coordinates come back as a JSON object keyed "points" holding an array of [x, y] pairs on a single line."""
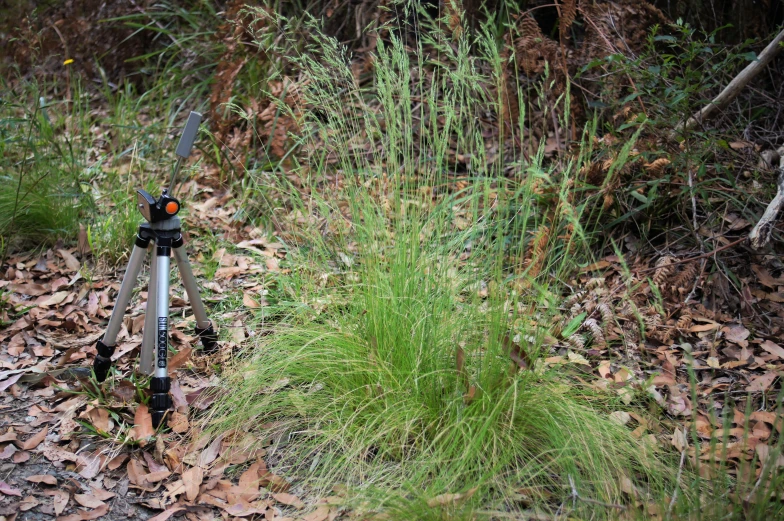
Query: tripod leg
{"points": [[106, 345], [150, 320], [160, 382], [204, 328]]}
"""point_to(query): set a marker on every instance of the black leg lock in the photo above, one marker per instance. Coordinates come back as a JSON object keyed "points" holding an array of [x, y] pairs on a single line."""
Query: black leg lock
{"points": [[103, 361], [161, 401], [209, 338]]}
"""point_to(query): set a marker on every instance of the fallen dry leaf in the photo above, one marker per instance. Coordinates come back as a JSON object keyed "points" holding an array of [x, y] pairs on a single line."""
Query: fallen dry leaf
{"points": [[42, 478], [178, 422], [86, 515], [761, 383], [448, 499], [60, 500], [35, 440], [192, 479], [54, 299], [100, 419], [70, 261], [737, 334], [289, 499], [8, 490], [142, 424], [28, 503], [88, 500], [248, 301], [773, 349]]}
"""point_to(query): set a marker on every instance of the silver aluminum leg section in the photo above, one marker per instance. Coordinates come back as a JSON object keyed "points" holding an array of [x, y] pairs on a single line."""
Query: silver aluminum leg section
{"points": [[191, 288], [162, 312], [150, 319], [124, 296]]}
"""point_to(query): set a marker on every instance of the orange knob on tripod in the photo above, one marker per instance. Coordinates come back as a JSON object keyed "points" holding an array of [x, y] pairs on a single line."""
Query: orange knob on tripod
{"points": [[172, 207]]}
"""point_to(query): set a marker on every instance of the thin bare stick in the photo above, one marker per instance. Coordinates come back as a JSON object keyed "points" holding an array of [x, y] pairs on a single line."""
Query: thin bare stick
{"points": [[734, 87], [677, 485], [762, 231]]}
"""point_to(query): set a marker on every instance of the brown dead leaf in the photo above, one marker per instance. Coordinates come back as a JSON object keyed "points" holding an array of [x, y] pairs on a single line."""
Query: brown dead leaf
{"points": [[21, 456], [7, 451], [100, 419], [248, 301], [209, 454], [155, 477], [60, 500], [449, 499], [86, 515], [42, 478], [289, 499], [28, 503], [54, 299], [30, 289], [142, 424], [762, 383], [773, 349], [737, 334], [35, 440], [71, 263], [765, 278], [178, 422], [182, 356], [101, 494], [192, 479], [8, 490], [88, 500], [117, 461]]}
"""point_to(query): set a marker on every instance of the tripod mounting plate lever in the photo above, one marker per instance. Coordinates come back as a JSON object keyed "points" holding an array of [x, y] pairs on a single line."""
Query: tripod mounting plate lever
{"points": [[157, 210]]}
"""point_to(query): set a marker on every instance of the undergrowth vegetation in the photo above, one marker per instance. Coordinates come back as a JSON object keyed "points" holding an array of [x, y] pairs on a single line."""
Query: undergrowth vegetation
{"points": [[422, 383], [436, 222]]}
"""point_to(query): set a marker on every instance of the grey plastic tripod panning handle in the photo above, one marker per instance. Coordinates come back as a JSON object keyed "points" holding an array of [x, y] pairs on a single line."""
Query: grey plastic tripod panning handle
{"points": [[184, 147], [188, 136]]}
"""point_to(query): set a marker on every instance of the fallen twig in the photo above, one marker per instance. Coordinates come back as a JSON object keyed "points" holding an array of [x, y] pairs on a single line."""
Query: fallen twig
{"points": [[760, 234]]}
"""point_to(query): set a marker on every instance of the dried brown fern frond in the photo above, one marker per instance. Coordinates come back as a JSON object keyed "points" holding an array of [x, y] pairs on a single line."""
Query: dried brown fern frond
{"points": [[595, 283], [663, 270], [684, 322], [575, 298], [685, 278], [607, 315], [658, 166], [597, 335], [576, 342], [568, 12], [454, 18], [631, 333], [537, 251], [575, 310]]}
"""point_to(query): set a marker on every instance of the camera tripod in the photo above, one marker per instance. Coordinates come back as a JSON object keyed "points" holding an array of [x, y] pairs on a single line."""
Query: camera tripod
{"points": [[161, 228]]}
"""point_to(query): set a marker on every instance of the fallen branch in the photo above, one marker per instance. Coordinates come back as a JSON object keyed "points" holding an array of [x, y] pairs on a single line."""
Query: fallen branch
{"points": [[760, 235], [737, 84]]}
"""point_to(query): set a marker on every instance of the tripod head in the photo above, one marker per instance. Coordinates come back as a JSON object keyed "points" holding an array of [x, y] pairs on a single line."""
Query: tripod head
{"points": [[165, 207]]}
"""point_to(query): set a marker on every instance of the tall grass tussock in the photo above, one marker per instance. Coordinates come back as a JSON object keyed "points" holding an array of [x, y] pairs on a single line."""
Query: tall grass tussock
{"points": [[424, 374]]}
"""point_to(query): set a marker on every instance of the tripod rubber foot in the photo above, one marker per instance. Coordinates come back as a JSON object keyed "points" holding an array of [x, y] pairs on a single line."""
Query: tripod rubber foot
{"points": [[103, 360], [209, 338], [161, 402]]}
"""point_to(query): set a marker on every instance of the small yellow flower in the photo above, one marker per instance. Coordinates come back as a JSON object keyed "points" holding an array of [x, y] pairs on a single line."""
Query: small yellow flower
{"points": [[69, 61]]}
